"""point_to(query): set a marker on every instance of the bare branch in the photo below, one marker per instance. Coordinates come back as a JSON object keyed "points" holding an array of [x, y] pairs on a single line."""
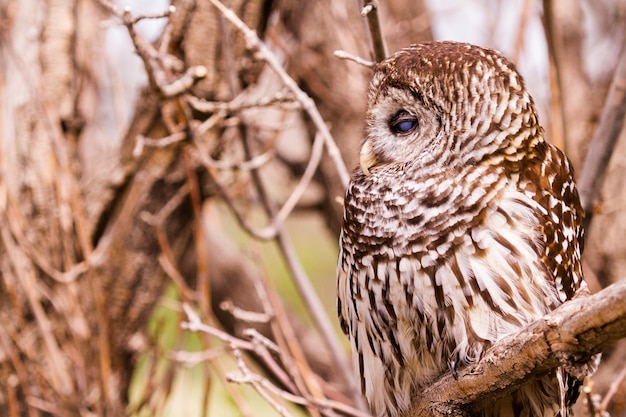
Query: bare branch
{"points": [[244, 315], [557, 121], [272, 230], [143, 141], [370, 11], [254, 43], [613, 389], [568, 336], [248, 377], [172, 88], [341, 54], [604, 141], [60, 378], [521, 31], [115, 10], [299, 275], [159, 78], [281, 99], [262, 347]]}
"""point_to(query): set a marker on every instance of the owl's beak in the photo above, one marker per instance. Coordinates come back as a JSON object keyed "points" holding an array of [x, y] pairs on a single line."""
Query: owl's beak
{"points": [[367, 158]]}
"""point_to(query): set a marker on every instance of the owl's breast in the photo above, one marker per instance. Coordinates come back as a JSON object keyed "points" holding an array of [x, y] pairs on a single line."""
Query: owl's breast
{"points": [[395, 214]]}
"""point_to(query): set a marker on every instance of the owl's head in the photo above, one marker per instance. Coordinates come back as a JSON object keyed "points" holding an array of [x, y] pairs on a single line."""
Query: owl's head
{"points": [[446, 104]]}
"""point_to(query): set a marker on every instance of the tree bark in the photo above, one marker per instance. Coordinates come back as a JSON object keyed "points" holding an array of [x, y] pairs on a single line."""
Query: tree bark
{"points": [[568, 337]]}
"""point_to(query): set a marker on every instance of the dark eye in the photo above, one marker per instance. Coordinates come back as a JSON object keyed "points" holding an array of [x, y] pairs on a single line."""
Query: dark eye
{"points": [[403, 122]]}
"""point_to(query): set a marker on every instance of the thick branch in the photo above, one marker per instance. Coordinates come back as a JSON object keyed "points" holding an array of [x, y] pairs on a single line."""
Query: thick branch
{"points": [[568, 336]]}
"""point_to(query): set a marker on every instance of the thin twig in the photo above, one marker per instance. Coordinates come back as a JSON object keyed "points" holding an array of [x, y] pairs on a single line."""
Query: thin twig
{"points": [[70, 275], [521, 30], [258, 344], [263, 234], [245, 376], [296, 363], [244, 315], [15, 357], [305, 180], [303, 283], [60, 375], [272, 229], [255, 383], [263, 346], [254, 163], [73, 221], [341, 54], [254, 43], [279, 99], [173, 88], [158, 77], [194, 324], [142, 141], [114, 9], [242, 405], [617, 382], [191, 359], [211, 163], [170, 270], [298, 273]]}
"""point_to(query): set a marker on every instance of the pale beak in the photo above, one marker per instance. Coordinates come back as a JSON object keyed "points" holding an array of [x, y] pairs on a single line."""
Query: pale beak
{"points": [[367, 159]]}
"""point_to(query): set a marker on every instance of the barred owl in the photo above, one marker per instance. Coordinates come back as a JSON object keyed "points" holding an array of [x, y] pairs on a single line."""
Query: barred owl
{"points": [[462, 225]]}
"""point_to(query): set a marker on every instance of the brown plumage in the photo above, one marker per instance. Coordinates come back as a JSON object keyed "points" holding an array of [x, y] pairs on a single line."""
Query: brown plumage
{"points": [[461, 226]]}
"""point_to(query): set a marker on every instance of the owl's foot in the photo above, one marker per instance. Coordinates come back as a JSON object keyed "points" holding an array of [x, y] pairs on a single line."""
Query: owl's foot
{"points": [[452, 367]]}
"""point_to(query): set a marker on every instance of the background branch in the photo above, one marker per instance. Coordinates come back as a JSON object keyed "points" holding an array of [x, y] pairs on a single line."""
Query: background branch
{"points": [[604, 141], [370, 12]]}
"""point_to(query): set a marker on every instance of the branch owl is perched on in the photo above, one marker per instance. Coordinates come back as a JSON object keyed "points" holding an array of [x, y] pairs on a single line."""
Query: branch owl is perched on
{"points": [[462, 225]]}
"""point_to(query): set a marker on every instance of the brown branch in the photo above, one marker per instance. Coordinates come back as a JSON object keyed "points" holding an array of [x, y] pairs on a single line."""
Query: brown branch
{"points": [[604, 141], [613, 389], [521, 31], [557, 121], [298, 274], [262, 347], [158, 76], [568, 336], [254, 43], [282, 99], [370, 11]]}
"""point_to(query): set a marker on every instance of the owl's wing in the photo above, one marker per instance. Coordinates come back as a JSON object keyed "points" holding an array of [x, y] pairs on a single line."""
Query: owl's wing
{"points": [[551, 182]]}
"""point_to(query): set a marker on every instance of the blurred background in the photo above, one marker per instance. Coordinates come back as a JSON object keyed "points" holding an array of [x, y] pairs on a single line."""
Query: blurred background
{"points": [[171, 210]]}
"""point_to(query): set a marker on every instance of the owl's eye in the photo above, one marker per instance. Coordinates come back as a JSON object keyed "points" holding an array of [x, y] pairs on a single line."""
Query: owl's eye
{"points": [[403, 122]]}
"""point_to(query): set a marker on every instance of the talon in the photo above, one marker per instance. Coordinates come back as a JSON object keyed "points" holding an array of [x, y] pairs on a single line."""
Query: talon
{"points": [[452, 367]]}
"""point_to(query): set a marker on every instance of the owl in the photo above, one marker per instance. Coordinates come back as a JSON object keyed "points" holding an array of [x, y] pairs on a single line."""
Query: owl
{"points": [[461, 226]]}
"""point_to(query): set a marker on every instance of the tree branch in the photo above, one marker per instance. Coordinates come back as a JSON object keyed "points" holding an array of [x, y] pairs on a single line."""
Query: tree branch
{"points": [[609, 129], [370, 12], [568, 337], [254, 43]]}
